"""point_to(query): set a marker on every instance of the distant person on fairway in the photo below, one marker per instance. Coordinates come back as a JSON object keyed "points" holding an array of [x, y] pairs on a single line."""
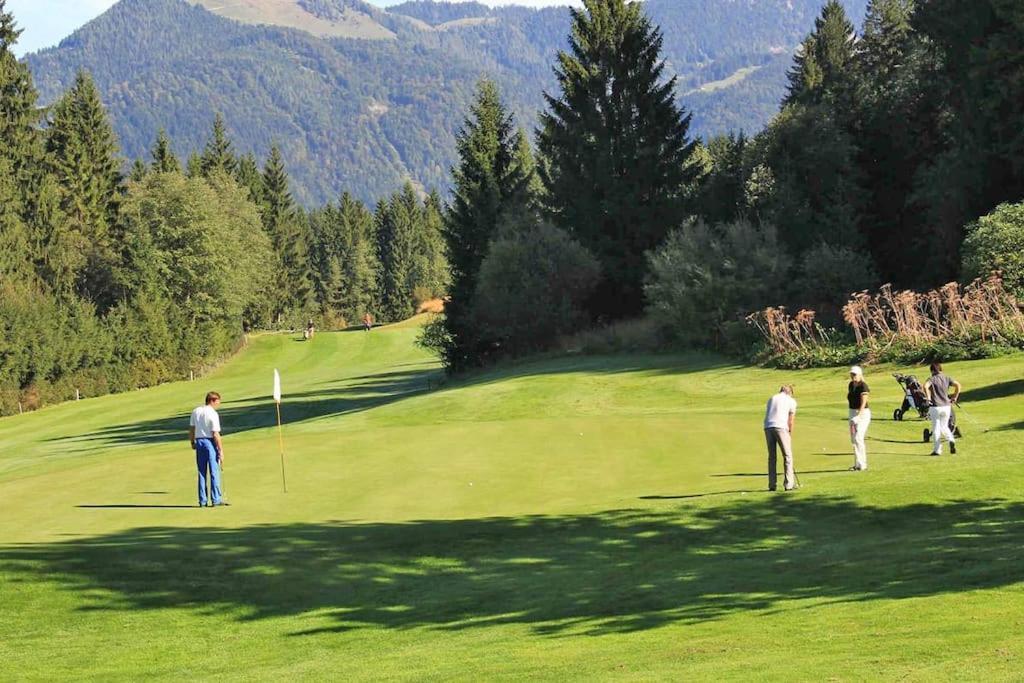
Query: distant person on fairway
{"points": [[204, 435], [937, 390], [367, 322], [310, 329], [778, 432], [857, 397]]}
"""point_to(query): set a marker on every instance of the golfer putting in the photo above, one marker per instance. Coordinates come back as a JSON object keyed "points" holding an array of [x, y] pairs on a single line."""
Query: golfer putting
{"points": [[204, 436], [779, 416]]}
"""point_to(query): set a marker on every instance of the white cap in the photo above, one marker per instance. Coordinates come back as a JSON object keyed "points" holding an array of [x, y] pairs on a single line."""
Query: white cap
{"points": [[856, 370]]}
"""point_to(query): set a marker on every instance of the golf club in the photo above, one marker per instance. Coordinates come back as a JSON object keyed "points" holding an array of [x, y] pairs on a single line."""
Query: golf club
{"points": [[974, 421]]}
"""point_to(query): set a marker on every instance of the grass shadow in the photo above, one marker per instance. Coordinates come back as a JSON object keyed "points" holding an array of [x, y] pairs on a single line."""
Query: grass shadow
{"points": [[616, 571], [994, 391], [345, 397]]}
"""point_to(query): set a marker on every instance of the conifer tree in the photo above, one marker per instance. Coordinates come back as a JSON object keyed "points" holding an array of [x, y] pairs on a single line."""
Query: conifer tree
{"points": [[164, 160], [399, 225], [194, 165], [138, 172], [83, 154], [287, 230], [824, 67], [488, 182], [19, 150], [250, 177], [219, 153], [358, 258], [615, 146]]}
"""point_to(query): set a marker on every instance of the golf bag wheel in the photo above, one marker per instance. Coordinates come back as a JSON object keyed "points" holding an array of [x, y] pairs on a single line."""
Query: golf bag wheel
{"points": [[897, 415], [927, 435]]}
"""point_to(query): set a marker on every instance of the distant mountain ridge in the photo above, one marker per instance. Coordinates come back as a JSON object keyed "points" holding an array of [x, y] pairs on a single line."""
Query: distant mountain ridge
{"points": [[361, 98]]}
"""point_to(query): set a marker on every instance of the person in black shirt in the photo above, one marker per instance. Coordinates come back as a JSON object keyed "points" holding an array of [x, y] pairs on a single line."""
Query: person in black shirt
{"points": [[857, 397]]}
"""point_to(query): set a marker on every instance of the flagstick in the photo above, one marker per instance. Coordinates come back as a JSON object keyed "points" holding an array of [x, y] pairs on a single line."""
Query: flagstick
{"points": [[280, 440]]}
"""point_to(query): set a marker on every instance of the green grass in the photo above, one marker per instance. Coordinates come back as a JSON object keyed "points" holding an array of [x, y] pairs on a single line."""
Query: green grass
{"points": [[584, 518]]}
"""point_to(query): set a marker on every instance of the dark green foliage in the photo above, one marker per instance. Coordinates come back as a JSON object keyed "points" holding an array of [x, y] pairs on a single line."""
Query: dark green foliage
{"points": [[399, 223], [219, 153], [83, 155], [704, 278], [996, 244], [532, 288], [823, 67], [288, 231], [164, 160], [615, 147], [490, 181], [828, 275]]}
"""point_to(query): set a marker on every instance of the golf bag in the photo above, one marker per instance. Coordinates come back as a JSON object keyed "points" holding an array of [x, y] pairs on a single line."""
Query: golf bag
{"points": [[914, 397]]}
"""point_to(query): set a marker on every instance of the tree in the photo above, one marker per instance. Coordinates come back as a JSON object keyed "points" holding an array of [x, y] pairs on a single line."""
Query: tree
{"points": [[358, 258], [288, 231], [19, 152], [822, 69], [164, 160], [249, 176], [487, 182], [615, 146], [995, 243], [532, 288], [219, 153], [399, 227], [83, 154]]}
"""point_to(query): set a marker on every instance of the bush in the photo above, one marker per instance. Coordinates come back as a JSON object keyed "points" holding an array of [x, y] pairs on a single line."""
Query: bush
{"points": [[704, 277], [626, 336], [829, 274], [531, 288], [996, 243]]}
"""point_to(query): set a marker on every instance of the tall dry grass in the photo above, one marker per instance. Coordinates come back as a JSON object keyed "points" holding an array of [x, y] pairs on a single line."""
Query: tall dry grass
{"points": [[983, 310]]}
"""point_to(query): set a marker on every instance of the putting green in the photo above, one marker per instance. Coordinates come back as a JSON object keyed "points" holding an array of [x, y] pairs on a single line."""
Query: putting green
{"points": [[581, 518]]}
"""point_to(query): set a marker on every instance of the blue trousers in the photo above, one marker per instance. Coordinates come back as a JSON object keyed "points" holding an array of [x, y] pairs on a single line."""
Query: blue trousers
{"points": [[206, 459]]}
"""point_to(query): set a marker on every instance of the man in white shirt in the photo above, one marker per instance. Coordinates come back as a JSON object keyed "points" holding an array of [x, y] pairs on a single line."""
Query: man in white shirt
{"points": [[204, 435], [778, 432]]}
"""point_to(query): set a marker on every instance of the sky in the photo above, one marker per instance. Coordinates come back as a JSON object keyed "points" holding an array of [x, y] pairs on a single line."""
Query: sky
{"points": [[46, 22]]}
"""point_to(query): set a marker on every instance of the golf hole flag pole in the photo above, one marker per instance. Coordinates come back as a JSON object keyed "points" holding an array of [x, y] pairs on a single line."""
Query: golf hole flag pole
{"points": [[280, 436]]}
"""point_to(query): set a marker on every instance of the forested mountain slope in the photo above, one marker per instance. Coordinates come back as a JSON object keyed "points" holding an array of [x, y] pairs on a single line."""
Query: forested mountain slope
{"points": [[360, 98]]}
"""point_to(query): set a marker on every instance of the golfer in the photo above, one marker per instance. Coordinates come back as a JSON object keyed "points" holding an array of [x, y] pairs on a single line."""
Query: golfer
{"points": [[204, 435], [858, 398], [778, 433], [937, 389]]}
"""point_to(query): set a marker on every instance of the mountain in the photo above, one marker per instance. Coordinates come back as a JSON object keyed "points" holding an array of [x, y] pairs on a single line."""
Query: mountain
{"points": [[361, 98]]}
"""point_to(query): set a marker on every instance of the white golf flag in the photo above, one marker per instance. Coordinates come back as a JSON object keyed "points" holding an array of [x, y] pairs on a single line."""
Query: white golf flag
{"points": [[277, 386]]}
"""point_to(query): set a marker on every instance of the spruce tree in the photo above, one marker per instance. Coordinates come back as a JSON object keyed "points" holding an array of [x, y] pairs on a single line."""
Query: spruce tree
{"points": [[219, 153], [615, 146], [83, 154], [164, 160], [400, 225], [20, 151], [287, 229], [824, 66], [883, 48], [358, 258], [250, 177], [138, 172], [488, 182]]}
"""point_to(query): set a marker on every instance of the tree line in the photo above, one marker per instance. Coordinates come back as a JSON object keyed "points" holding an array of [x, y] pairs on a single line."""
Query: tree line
{"points": [[114, 280], [890, 144]]}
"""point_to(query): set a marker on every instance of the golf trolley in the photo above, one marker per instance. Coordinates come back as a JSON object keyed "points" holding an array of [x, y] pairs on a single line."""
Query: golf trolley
{"points": [[915, 398]]}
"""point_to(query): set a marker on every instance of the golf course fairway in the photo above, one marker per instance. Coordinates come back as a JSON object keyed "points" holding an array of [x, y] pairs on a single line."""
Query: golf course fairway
{"points": [[580, 518]]}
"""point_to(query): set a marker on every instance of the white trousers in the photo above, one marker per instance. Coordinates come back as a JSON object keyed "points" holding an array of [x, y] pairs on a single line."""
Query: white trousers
{"points": [[858, 432], [940, 427]]}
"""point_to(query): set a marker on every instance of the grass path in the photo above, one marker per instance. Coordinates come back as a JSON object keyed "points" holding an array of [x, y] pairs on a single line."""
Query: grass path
{"points": [[562, 519]]}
